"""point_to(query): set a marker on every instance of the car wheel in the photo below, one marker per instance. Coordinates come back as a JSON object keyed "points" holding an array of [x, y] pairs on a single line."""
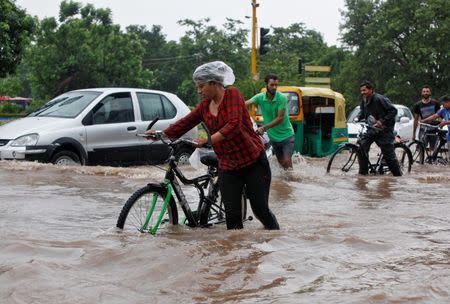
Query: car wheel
{"points": [[182, 155], [66, 158]]}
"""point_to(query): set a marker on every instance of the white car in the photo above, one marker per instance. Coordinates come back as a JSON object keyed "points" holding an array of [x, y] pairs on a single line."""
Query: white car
{"points": [[95, 126], [403, 123]]}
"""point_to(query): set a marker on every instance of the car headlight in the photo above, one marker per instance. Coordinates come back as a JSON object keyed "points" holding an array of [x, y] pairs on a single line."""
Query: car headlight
{"points": [[26, 140]]}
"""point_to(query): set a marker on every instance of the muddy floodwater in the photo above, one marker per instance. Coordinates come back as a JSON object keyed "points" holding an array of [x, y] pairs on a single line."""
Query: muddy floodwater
{"points": [[342, 240]]}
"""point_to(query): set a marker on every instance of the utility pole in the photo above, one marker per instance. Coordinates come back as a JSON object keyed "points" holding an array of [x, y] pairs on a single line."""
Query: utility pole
{"points": [[255, 76]]}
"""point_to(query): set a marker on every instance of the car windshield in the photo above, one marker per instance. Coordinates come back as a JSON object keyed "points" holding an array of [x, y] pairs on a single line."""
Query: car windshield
{"points": [[292, 104], [353, 114], [67, 105]]}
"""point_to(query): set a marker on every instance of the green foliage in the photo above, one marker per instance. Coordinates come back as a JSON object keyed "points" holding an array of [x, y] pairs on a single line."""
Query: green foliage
{"points": [[249, 88], [207, 43], [400, 45], [288, 45], [84, 50], [36, 104], [16, 85], [10, 86], [15, 29], [7, 107]]}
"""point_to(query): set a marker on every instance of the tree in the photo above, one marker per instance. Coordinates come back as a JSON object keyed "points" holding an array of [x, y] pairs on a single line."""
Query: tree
{"points": [[15, 30], [10, 86], [203, 43], [288, 45], [400, 45], [84, 49]]}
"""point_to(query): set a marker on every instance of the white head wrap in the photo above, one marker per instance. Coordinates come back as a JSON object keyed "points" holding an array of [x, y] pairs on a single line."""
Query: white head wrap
{"points": [[214, 71]]}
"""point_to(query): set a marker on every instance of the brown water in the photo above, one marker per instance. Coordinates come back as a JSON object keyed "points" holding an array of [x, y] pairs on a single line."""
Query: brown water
{"points": [[343, 240]]}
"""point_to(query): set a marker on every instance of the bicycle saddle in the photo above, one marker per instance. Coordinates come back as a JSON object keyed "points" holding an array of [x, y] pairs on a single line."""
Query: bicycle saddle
{"points": [[209, 158]]}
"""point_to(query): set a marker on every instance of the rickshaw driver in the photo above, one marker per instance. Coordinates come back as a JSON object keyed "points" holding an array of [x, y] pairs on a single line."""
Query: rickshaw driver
{"points": [[276, 121]]}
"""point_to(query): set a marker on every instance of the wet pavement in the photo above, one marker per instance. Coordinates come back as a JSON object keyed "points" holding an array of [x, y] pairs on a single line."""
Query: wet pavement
{"points": [[342, 240]]}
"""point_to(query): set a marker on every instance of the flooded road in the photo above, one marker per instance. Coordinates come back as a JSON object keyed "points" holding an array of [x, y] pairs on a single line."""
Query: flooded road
{"points": [[342, 240]]}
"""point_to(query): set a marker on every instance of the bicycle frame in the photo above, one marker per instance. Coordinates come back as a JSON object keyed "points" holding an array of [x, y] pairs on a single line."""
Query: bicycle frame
{"points": [[208, 208], [439, 145], [380, 166], [374, 168], [172, 185], [163, 209]]}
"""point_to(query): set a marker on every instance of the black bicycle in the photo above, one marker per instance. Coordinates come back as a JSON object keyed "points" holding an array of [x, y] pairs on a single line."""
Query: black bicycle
{"points": [[436, 154], [345, 160], [153, 205]]}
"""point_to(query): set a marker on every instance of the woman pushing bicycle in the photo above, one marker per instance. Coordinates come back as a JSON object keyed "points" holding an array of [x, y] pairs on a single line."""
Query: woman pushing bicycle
{"points": [[240, 151]]}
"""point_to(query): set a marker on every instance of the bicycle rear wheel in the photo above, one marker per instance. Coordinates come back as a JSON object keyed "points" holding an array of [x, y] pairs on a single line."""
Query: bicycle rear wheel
{"points": [[441, 157], [404, 157], [214, 213], [344, 161], [417, 151], [145, 210]]}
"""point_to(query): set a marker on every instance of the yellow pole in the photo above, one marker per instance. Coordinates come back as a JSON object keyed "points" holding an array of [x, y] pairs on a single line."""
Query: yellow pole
{"points": [[254, 75]]}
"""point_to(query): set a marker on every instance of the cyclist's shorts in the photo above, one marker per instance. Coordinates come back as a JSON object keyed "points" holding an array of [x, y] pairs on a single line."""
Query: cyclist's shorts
{"points": [[285, 148]]}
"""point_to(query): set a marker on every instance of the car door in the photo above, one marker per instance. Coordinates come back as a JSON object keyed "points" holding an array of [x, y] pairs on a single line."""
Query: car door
{"points": [[111, 138], [404, 129], [151, 106]]}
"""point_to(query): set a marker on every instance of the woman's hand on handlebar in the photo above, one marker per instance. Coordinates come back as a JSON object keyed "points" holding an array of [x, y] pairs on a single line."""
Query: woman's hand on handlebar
{"points": [[200, 142], [154, 134]]}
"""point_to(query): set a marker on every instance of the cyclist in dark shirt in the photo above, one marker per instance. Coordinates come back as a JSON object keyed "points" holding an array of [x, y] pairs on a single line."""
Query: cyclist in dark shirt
{"points": [[378, 108], [423, 109], [444, 115]]}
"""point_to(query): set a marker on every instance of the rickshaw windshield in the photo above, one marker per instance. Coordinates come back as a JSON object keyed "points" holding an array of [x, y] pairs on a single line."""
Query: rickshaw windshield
{"points": [[292, 104]]}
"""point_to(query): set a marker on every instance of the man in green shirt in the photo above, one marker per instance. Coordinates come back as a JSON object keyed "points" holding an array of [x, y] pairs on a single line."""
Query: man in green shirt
{"points": [[274, 110]]}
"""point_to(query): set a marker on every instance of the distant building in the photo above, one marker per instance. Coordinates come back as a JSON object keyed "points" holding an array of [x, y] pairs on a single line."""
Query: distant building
{"points": [[21, 102]]}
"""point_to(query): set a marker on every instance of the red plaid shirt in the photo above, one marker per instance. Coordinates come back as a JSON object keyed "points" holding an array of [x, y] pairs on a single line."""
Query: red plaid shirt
{"points": [[241, 145]]}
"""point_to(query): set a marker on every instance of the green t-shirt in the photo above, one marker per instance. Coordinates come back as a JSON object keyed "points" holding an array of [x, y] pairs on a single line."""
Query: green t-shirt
{"points": [[269, 110]]}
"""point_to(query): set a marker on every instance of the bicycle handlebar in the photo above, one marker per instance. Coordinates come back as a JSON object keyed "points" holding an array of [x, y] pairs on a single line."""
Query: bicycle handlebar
{"points": [[363, 123], [158, 135], [152, 123], [428, 125]]}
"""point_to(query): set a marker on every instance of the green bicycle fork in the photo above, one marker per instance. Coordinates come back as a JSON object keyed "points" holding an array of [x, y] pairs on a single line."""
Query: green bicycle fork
{"points": [[153, 230]]}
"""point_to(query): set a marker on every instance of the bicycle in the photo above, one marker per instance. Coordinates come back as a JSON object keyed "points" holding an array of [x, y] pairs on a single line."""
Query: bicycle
{"points": [[438, 154], [153, 205], [345, 160]]}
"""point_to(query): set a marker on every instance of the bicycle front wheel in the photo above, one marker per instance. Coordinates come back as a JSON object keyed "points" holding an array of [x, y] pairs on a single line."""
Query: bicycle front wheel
{"points": [[147, 209], [344, 161], [417, 151], [404, 157], [439, 158]]}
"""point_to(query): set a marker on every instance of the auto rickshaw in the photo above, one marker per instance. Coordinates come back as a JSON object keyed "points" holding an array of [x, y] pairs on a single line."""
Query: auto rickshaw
{"points": [[317, 116]]}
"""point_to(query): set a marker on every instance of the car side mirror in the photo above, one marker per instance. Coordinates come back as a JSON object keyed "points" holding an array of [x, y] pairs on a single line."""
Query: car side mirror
{"points": [[404, 119]]}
